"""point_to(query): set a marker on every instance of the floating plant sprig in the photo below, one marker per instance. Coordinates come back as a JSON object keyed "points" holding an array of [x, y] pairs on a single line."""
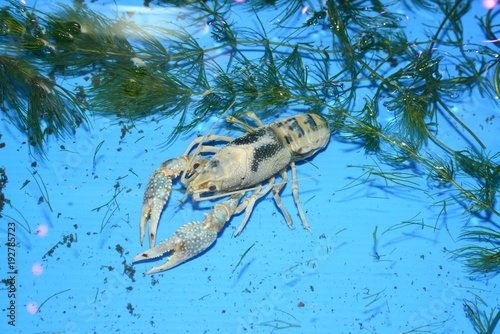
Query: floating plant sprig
{"points": [[482, 255], [491, 30], [483, 323], [41, 186], [50, 297], [41, 106]]}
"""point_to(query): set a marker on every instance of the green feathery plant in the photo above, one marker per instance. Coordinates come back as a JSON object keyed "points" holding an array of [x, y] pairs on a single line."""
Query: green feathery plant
{"points": [[483, 323]]}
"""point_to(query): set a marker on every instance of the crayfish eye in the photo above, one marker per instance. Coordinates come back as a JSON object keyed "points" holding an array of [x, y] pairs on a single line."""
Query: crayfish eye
{"points": [[196, 165], [212, 187]]}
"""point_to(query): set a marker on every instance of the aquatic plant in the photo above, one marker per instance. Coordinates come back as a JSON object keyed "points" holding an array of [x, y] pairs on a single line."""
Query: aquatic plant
{"points": [[482, 255], [483, 323]]}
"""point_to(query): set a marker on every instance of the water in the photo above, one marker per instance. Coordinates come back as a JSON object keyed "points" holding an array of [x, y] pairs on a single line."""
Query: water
{"points": [[376, 262]]}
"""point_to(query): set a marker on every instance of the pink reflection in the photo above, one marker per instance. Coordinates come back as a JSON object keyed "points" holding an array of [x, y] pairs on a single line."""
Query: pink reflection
{"points": [[32, 307], [37, 269], [489, 4], [42, 230]]}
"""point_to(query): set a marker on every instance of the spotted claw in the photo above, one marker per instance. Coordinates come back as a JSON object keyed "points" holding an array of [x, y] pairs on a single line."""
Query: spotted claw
{"points": [[187, 242], [192, 238], [157, 194]]}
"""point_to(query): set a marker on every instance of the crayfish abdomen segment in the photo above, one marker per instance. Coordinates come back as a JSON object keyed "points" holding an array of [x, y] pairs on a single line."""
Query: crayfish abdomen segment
{"points": [[304, 134]]}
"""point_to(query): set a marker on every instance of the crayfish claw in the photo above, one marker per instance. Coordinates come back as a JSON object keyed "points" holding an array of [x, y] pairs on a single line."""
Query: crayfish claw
{"points": [[155, 198], [187, 242], [157, 193]]}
